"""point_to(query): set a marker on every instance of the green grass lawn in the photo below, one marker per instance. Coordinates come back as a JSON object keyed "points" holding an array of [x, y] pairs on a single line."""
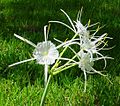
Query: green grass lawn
{"points": [[23, 85]]}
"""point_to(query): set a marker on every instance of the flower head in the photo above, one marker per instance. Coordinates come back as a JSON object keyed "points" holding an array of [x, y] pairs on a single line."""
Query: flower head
{"points": [[76, 26], [85, 63], [80, 29], [46, 53]]}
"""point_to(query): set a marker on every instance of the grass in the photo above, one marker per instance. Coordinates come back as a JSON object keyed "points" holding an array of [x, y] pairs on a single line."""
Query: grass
{"points": [[23, 85]]}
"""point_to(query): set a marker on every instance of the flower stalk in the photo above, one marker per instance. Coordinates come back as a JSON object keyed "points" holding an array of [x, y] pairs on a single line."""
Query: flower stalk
{"points": [[45, 91], [46, 73]]}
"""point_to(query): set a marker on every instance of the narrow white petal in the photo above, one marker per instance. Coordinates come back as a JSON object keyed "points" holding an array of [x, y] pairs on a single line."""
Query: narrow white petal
{"points": [[97, 71], [45, 32], [108, 48], [72, 43], [89, 72], [100, 38], [67, 43], [79, 14], [48, 30], [103, 58], [93, 24], [109, 37], [25, 40], [21, 62], [58, 40], [69, 19], [64, 25], [99, 58], [46, 73]]}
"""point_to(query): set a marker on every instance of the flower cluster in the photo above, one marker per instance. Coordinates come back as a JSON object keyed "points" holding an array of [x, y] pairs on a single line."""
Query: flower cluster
{"points": [[89, 44]]}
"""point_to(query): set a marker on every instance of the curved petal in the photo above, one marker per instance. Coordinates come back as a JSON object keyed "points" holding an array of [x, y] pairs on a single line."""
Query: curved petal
{"points": [[25, 40], [69, 19], [14, 64], [64, 25]]}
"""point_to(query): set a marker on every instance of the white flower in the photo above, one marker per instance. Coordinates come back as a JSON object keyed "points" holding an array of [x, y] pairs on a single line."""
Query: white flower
{"points": [[76, 26], [46, 53], [94, 45], [85, 63], [81, 30]]}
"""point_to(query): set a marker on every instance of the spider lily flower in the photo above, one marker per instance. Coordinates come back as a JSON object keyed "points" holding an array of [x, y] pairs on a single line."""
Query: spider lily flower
{"points": [[85, 62], [92, 46], [45, 52], [81, 30], [86, 65], [76, 26]]}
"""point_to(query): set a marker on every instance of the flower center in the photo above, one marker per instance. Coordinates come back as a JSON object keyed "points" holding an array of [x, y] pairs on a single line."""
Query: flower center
{"points": [[45, 53]]}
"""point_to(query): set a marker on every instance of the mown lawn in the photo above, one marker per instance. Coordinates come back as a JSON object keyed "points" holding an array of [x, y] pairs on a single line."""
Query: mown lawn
{"points": [[23, 85]]}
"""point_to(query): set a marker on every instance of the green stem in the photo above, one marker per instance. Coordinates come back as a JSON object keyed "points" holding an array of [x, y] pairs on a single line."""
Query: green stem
{"points": [[56, 64], [45, 91], [60, 70]]}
